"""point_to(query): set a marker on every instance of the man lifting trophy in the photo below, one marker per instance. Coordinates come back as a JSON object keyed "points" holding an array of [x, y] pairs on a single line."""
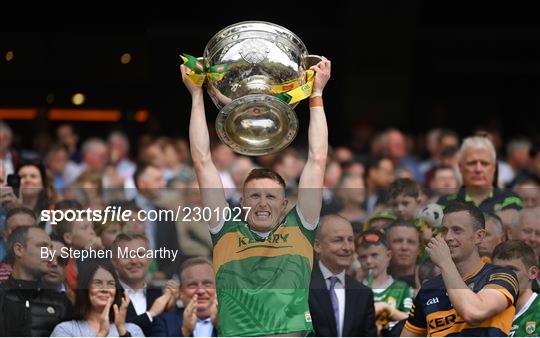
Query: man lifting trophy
{"points": [[255, 73]]}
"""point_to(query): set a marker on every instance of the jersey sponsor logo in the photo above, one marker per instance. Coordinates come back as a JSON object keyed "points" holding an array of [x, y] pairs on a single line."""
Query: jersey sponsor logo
{"points": [[439, 322], [275, 238], [432, 301], [530, 327], [307, 315]]}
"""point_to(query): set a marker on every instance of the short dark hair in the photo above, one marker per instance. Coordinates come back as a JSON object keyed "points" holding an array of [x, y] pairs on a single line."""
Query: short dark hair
{"points": [[404, 186], [516, 250], [68, 205], [140, 171], [63, 227], [192, 262], [84, 282], [122, 237], [261, 173], [19, 235], [374, 163], [20, 210], [402, 223], [478, 220]]}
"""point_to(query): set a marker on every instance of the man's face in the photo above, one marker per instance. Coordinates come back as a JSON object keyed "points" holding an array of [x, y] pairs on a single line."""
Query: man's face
{"points": [[118, 147], [477, 168], [96, 158], [529, 194], [404, 243], [81, 234], [492, 239], [18, 220], [56, 274], [460, 235], [375, 258], [352, 190], [5, 140], [29, 255], [444, 182], [132, 270], [66, 136], [57, 161], [528, 230], [335, 245], [397, 149], [198, 280], [267, 201], [525, 276], [152, 183], [383, 174], [405, 207]]}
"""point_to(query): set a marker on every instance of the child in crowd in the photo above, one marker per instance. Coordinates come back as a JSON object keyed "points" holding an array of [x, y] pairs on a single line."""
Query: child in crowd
{"points": [[407, 198], [393, 298]]}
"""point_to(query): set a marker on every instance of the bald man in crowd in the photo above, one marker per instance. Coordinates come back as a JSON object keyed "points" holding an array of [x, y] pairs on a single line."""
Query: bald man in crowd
{"points": [[340, 306]]}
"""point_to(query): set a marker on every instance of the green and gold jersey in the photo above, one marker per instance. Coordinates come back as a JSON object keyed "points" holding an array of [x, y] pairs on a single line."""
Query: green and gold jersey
{"points": [[525, 321], [263, 283], [396, 293]]}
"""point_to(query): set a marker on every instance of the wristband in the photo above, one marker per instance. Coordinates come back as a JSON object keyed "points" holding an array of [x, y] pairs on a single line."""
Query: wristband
{"points": [[316, 101]]}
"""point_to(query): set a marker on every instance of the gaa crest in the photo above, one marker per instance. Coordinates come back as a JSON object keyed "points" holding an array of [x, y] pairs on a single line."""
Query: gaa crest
{"points": [[530, 327]]}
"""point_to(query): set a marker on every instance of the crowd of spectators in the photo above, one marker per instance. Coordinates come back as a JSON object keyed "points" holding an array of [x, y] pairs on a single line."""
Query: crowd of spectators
{"points": [[391, 196]]}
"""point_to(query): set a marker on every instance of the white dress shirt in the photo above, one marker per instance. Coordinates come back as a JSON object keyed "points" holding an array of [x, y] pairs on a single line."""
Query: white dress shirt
{"points": [[340, 291], [138, 299], [203, 328]]}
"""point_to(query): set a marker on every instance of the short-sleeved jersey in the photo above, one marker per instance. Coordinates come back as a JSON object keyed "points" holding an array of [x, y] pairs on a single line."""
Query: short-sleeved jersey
{"points": [[526, 320], [398, 294], [263, 283], [497, 201], [432, 314]]}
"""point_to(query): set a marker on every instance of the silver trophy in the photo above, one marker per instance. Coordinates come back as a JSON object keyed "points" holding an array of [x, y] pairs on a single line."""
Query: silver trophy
{"points": [[251, 66]]}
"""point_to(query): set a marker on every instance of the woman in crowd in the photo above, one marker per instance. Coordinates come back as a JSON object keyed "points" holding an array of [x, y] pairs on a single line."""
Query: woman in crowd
{"points": [[34, 186], [100, 310]]}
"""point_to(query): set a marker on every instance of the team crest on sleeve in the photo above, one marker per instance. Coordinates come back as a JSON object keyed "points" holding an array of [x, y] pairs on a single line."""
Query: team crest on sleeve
{"points": [[530, 327]]}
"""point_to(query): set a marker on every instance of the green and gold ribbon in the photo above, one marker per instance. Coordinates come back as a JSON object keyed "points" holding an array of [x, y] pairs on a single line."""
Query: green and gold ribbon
{"points": [[299, 93], [289, 92]]}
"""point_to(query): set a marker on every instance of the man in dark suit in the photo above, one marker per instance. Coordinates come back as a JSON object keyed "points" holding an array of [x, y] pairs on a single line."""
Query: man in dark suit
{"points": [[340, 306], [146, 303], [161, 232], [197, 291]]}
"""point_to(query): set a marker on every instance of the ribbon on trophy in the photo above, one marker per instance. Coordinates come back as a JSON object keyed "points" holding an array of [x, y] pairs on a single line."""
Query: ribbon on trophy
{"points": [[289, 92]]}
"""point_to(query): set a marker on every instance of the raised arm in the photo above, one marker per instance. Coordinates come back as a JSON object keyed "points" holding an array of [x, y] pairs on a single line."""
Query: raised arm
{"points": [[210, 184], [311, 180]]}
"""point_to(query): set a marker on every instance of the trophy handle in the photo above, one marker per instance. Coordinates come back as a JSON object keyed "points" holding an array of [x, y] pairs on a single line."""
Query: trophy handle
{"points": [[312, 60]]}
